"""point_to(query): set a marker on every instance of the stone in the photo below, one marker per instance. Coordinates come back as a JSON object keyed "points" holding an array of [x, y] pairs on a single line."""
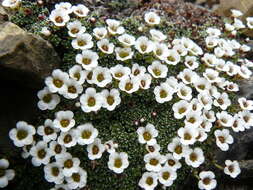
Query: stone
{"points": [[243, 5], [25, 57], [3, 15]]}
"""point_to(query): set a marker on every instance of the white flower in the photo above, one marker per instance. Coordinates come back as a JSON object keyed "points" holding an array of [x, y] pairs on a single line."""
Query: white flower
{"points": [[222, 101], [163, 93], [82, 41], [231, 69], [195, 105], [80, 10], [193, 119], [77, 179], [6, 174], [86, 134], [177, 148], [68, 139], [160, 50], [211, 75], [152, 18], [209, 115], [73, 89], [154, 161], [172, 162], [47, 131], [120, 72], [65, 6], [223, 139], [191, 62], [77, 74], [238, 24], [144, 45], [180, 49], [187, 76], [41, 154], [118, 162], [129, 85], [147, 134], [195, 50], [111, 146], [53, 173], [11, 4], [127, 40], [123, 54], [145, 81], [225, 119], [232, 168], [56, 82], [172, 57], [95, 149], [153, 148], [229, 27], [148, 181], [105, 46], [137, 70], [214, 32], [167, 176], [112, 99], [202, 85], [158, 70], [23, 134], [56, 149], [101, 76], [70, 165], [202, 135], [245, 48], [180, 109], [244, 72], [157, 35], [172, 82], [245, 104], [91, 100], [205, 100], [59, 17], [100, 32], [75, 28], [45, 31], [250, 22], [64, 120], [207, 180], [247, 117], [195, 157], [88, 59], [211, 41], [238, 124], [187, 135], [114, 27], [206, 125], [47, 99], [236, 13], [184, 92]]}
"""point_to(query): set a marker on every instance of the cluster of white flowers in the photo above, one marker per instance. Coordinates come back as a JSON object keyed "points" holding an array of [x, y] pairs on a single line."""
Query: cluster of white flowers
{"points": [[5, 174], [236, 24], [57, 136], [200, 87]]}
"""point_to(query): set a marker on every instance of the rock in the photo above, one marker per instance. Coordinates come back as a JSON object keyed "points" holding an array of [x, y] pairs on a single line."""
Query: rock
{"points": [[243, 5], [3, 15], [25, 57]]}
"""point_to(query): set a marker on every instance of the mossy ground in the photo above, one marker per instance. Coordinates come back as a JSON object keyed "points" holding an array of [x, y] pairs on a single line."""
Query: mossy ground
{"points": [[119, 124]]}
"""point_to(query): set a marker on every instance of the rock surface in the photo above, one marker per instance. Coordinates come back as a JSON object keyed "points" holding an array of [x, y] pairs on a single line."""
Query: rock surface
{"points": [[25, 56]]}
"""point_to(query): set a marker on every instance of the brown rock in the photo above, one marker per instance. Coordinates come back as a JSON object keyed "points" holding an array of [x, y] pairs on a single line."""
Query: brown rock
{"points": [[25, 57]]}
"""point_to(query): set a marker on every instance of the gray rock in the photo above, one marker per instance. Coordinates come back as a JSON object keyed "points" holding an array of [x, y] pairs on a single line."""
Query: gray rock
{"points": [[25, 57]]}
